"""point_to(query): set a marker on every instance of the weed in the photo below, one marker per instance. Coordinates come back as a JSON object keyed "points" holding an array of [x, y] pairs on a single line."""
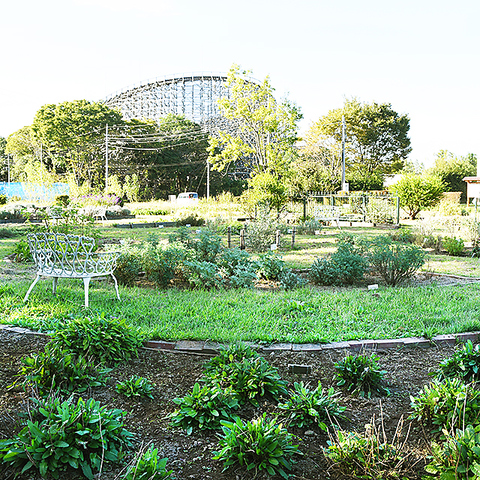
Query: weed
{"points": [[136, 386], [464, 364], [147, 466]]}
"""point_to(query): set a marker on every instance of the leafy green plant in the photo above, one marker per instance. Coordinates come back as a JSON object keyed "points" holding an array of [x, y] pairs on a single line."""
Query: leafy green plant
{"points": [[309, 226], [236, 352], [394, 261], [367, 455], [453, 246], [249, 379], [202, 274], [260, 234], [360, 375], [231, 258], [136, 386], [447, 404], [464, 364], [59, 436], [129, 264], [56, 369], [260, 445], [305, 407], [458, 457], [270, 266], [207, 245], [243, 276], [290, 280], [108, 341], [3, 199], [7, 233], [193, 220], [148, 466], [204, 408], [22, 252]]}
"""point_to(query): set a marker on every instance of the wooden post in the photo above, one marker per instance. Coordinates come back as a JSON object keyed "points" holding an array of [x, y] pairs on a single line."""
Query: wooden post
{"points": [[229, 237], [294, 230], [242, 239], [277, 238]]}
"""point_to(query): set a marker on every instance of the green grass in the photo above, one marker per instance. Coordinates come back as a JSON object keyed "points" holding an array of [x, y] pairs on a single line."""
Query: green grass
{"points": [[303, 316]]}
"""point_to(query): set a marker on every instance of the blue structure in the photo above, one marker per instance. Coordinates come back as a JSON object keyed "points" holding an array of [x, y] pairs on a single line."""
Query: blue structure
{"points": [[30, 191]]}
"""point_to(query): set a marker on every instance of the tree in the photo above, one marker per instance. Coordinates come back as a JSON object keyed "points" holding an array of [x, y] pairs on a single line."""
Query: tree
{"points": [[3, 159], [452, 170], [24, 149], [417, 192], [376, 137], [266, 129], [268, 191]]}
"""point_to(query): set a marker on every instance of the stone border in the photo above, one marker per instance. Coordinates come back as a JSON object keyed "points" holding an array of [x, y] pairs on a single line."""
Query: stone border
{"points": [[212, 348]]}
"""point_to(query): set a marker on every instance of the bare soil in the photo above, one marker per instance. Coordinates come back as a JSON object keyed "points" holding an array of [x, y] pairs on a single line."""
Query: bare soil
{"points": [[174, 375]]}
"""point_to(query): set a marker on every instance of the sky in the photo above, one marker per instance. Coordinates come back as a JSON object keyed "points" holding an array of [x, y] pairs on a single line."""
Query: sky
{"points": [[420, 56]]}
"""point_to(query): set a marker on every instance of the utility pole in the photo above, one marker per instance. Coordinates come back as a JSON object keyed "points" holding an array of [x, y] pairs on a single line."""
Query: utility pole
{"points": [[343, 153], [106, 158], [208, 179]]}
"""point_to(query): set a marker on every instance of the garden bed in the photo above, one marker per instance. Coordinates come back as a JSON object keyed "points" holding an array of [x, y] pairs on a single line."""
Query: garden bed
{"points": [[174, 375]]}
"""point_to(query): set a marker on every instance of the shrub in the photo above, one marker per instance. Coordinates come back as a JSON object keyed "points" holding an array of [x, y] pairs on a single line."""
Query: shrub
{"points": [[207, 245], [260, 234], [56, 369], [243, 276], [232, 258], [290, 280], [345, 265], [204, 408], [202, 274], [236, 352], [7, 233], [160, 263], [129, 264], [367, 455], [403, 234], [447, 404], [136, 386], [60, 436], [393, 261], [270, 266], [249, 379], [453, 246], [3, 199], [463, 364], [309, 227], [260, 445], [360, 374], [458, 457], [193, 220], [305, 406], [148, 466], [22, 252], [62, 200], [109, 341]]}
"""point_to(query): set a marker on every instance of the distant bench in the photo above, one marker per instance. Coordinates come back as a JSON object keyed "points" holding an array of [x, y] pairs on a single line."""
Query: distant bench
{"points": [[58, 255], [327, 213]]}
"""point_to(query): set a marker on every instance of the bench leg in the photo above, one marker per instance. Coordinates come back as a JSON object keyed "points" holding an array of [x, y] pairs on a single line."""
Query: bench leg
{"points": [[31, 288], [116, 285], [86, 282], [54, 287]]}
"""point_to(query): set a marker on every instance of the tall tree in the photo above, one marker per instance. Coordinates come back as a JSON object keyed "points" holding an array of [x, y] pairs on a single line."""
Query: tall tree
{"points": [[376, 137], [266, 129]]}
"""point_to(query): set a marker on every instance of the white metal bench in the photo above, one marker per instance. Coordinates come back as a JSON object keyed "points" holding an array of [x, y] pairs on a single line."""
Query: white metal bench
{"points": [[69, 256], [327, 213]]}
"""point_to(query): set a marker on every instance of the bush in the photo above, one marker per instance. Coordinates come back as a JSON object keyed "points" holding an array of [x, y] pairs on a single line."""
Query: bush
{"points": [[270, 266], [136, 386], [259, 445], [243, 276], [56, 369], [345, 265], [360, 374], [60, 436], [129, 264], [260, 234], [453, 246], [3, 199], [207, 245], [232, 258], [7, 233], [202, 274], [463, 364], [305, 406], [447, 404], [204, 408], [193, 220], [309, 227], [290, 280], [148, 467], [395, 262], [62, 200], [458, 457], [236, 352], [22, 252], [109, 341]]}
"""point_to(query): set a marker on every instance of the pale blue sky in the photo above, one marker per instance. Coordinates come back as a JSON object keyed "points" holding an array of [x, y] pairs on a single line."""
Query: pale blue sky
{"points": [[422, 56]]}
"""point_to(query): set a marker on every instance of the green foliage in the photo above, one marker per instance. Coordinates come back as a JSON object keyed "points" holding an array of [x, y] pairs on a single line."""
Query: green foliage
{"points": [[260, 234], [136, 386], [309, 226], [56, 369], [60, 436], [193, 220], [458, 457], [268, 191], [270, 266], [360, 375], [290, 280], [3, 199], [129, 264], [207, 245], [345, 265], [62, 200], [395, 262], [236, 352], [148, 466], [204, 408], [202, 274], [109, 341], [417, 192], [366, 455], [447, 404], [244, 276], [463, 364], [260, 445], [304, 406], [7, 233], [453, 246], [22, 252], [249, 379], [161, 262], [403, 234]]}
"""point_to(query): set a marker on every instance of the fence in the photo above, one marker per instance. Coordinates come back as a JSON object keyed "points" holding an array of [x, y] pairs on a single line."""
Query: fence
{"points": [[372, 208], [32, 191]]}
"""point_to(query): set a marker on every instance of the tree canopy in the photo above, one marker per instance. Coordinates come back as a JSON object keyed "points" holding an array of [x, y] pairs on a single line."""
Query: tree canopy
{"points": [[376, 137]]}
